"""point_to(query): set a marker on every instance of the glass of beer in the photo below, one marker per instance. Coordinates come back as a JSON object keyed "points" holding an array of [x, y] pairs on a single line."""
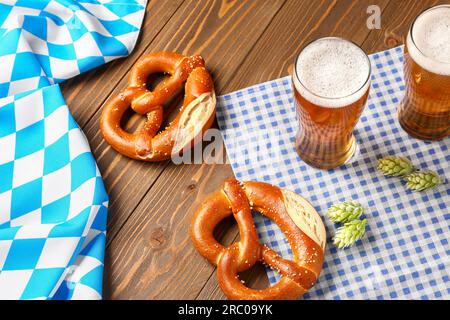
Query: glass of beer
{"points": [[331, 82], [425, 110]]}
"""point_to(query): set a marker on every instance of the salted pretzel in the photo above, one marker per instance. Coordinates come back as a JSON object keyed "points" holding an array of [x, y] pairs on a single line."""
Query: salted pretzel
{"points": [[295, 216], [195, 116]]}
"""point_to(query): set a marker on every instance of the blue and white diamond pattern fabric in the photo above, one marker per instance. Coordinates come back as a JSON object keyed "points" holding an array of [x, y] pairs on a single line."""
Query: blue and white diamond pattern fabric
{"points": [[406, 251], [48, 41], [53, 203]]}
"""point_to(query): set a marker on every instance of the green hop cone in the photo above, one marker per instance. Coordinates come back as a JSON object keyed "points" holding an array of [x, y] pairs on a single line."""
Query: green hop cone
{"points": [[395, 166], [422, 180], [349, 233], [345, 211]]}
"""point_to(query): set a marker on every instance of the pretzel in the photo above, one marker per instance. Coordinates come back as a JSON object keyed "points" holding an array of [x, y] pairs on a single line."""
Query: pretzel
{"points": [[195, 116], [297, 219]]}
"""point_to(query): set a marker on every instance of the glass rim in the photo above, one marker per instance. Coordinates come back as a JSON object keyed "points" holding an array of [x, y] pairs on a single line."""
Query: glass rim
{"points": [[410, 32], [332, 98]]}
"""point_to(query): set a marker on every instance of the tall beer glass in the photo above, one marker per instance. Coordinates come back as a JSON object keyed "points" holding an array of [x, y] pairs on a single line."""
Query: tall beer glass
{"points": [[331, 81], [425, 111]]}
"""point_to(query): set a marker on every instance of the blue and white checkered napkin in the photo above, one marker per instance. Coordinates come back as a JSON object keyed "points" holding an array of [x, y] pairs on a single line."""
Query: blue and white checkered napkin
{"points": [[53, 204], [406, 253]]}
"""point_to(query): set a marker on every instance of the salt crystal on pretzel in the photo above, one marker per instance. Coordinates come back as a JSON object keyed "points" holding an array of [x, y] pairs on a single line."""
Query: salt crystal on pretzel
{"points": [[297, 219], [195, 116]]}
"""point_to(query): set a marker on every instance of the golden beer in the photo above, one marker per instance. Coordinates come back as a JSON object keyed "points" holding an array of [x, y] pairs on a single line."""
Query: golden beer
{"points": [[331, 82], [425, 110]]}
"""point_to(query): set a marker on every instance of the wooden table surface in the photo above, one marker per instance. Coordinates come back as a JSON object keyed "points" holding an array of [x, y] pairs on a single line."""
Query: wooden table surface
{"points": [[148, 253]]}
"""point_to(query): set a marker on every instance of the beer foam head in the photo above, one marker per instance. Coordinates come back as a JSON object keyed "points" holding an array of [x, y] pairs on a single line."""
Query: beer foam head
{"points": [[429, 40], [332, 72]]}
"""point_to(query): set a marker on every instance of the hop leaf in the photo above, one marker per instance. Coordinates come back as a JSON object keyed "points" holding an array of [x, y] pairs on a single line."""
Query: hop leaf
{"points": [[349, 233], [422, 180], [345, 211], [395, 166]]}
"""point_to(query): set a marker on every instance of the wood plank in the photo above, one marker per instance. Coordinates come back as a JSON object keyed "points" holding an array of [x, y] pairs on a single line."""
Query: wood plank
{"points": [[193, 25], [224, 32], [85, 93], [154, 257], [225, 171], [395, 23], [345, 19], [286, 36], [205, 179]]}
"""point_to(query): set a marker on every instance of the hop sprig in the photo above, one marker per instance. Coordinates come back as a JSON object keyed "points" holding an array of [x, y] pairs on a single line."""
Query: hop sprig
{"points": [[345, 211], [349, 233], [422, 180], [395, 166]]}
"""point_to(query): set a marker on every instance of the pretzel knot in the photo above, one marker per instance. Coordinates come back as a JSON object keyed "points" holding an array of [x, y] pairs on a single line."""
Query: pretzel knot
{"points": [[195, 116], [297, 219]]}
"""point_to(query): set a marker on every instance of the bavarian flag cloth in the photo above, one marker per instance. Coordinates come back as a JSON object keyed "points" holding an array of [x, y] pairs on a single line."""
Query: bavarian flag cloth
{"points": [[53, 203]]}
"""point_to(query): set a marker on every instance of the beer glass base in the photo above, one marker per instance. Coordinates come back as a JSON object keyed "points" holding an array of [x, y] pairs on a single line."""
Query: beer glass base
{"points": [[413, 132], [319, 163]]}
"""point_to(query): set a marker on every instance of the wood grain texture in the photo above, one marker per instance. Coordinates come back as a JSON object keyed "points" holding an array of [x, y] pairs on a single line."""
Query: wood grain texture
{"points": [[85, 93], [149, 254], [292, 9], [195, 24], [153, 258], [345, 19], [395, 23], [392, 27], [286, 36]]}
